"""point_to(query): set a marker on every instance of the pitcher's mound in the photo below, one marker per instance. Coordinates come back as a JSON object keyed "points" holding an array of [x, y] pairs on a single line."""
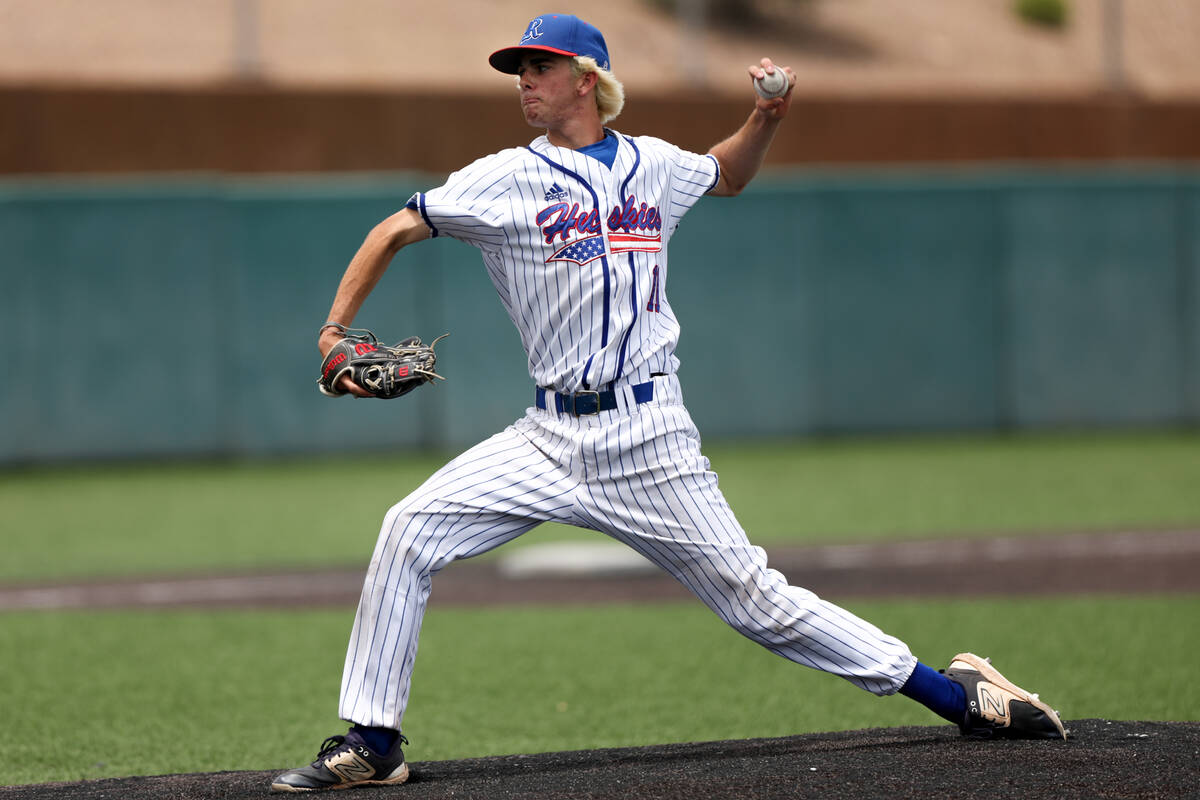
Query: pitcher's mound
{"points": [[1102, 759]]}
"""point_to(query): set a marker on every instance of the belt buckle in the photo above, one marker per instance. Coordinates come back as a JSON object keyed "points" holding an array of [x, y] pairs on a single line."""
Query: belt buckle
{"points": [[591, 405]]}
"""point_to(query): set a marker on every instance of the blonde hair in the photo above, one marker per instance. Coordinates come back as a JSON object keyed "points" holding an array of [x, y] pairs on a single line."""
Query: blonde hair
{"points": [[610, 94]]}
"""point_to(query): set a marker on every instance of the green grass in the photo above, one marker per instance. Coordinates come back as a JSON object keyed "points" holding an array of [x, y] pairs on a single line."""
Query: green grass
{"points": [[185, 517], [90, 695], [953, 486]]}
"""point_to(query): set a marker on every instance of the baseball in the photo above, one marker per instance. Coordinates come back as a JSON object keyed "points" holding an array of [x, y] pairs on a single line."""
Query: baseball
{"points": [[772, 84]]}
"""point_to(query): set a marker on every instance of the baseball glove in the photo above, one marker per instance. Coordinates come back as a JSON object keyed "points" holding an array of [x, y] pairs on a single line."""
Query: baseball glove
{"points": [[386, 371]]}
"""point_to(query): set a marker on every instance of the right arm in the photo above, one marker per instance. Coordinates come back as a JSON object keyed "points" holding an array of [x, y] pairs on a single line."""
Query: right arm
{"points": [[366, 268], [742, 154]]}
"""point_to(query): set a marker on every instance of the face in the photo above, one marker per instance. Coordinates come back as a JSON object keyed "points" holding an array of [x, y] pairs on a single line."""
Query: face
{"points": [[549, 92]]}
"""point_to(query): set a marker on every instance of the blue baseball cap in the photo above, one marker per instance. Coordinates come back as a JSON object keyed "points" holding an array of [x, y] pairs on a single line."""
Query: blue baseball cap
{"points": [[564, 34]]}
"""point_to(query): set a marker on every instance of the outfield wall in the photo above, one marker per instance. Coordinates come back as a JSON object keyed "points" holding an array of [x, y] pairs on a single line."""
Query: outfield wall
{"points": [[177, 316], [272, 128]]}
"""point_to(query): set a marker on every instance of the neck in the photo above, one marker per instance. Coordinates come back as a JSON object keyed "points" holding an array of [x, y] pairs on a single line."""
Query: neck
{"points": [[577, 134]]}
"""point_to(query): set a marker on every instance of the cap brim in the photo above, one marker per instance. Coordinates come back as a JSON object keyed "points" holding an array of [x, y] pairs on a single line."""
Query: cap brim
{"points": [[508, 59]]}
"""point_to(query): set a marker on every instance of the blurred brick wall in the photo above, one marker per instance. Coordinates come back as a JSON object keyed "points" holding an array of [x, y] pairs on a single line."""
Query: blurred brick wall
{"points": [[50, 130]]}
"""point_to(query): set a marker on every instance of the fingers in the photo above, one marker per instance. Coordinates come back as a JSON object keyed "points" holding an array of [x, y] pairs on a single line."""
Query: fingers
{"points": [[350, 387], [760, 70], [766, 65]]}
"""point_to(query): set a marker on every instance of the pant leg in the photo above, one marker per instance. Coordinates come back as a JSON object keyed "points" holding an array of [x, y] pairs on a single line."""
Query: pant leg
{"points": [[649, 486], [489, 495]]}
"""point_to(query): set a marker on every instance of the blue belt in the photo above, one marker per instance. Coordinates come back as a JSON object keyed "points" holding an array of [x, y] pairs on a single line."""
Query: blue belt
{"points": [[582, 404]]}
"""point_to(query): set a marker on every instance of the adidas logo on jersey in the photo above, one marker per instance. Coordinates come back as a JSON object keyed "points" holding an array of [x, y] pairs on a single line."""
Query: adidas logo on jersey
{"points": [[556, 192]]}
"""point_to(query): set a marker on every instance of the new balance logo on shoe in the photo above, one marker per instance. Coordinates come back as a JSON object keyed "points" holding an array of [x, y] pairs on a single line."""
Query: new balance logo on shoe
{"points": [[350, 767], [993, 704]]}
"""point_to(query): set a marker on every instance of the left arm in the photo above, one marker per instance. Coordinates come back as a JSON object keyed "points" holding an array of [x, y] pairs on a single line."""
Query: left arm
{"points": [[742, 154]]}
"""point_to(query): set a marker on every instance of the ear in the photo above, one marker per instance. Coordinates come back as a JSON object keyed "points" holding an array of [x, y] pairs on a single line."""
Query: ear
{"points": [[587, 82]]}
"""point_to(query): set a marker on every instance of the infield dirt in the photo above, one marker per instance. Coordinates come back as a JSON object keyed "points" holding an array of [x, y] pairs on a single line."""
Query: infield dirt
{"points": [[1102, 562]]}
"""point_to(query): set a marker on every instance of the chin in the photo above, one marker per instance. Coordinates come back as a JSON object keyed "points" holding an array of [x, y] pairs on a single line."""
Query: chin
{"points": [[531, 115]]}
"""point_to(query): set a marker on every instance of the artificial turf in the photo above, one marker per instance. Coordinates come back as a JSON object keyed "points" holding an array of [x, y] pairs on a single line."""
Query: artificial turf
{"points": [[107, 520], [97, 694]]}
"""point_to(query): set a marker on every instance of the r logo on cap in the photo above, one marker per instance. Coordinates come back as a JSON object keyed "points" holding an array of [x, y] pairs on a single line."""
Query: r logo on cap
{"points": [[533, 32], [562, 34]]}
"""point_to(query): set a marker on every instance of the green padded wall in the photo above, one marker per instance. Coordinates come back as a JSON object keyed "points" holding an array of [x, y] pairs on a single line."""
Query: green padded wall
{"points": [[177, 317]]}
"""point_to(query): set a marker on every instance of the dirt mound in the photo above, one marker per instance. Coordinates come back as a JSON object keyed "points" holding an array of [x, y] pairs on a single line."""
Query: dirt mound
{"points": [[1102, 759], [1133, 561]]}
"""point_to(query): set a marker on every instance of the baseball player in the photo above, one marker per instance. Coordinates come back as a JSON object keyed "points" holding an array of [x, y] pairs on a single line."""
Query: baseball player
{"points": [[575, 230]]}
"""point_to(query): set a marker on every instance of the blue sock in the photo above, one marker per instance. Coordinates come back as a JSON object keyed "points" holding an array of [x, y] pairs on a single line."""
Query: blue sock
{"points": [[936, 692], [381, 740]]}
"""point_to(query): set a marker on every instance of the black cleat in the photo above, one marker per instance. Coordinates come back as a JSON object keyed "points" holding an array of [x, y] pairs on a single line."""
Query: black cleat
{"points": [[345, 762], [998, 708]]}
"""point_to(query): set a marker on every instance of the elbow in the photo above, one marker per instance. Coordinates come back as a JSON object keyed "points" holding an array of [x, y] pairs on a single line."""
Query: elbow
{"points": [[728, 186], [386, 238], [397, 231], [734, 186], [729, 182]]}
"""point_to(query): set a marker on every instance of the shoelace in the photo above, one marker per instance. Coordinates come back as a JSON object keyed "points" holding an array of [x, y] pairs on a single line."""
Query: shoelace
{"points": [[329, 747]]}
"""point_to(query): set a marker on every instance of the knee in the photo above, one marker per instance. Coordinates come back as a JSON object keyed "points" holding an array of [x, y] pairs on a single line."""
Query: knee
{"points": [[406, 541], [763, 626], [764, 612]]}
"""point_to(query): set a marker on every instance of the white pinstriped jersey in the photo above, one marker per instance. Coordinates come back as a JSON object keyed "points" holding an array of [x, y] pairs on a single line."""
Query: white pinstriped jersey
{"points": [[578, 251], [578, 255]]}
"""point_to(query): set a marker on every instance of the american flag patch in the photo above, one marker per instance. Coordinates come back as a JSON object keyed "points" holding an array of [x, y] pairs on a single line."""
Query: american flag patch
{"points": [[581, 251]]}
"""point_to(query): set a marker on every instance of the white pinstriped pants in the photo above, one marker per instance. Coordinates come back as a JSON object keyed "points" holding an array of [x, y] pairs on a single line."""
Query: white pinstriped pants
{"points": [[636, 474]]}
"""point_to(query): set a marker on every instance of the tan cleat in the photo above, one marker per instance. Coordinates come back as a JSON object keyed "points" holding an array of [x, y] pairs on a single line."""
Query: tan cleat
{"points": [[998, 708]]}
